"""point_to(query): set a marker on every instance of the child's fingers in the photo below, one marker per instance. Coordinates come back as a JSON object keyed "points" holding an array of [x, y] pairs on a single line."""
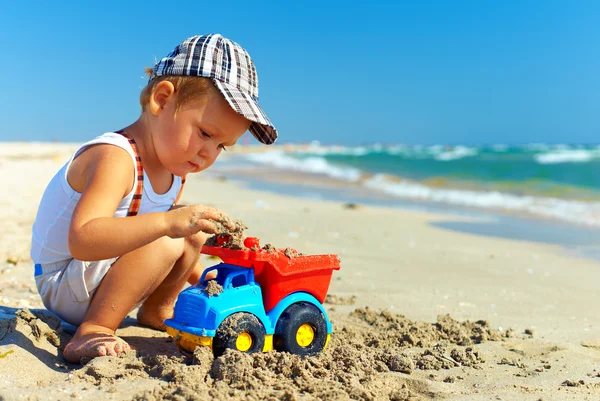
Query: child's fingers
{"points": [[228, 222], [209, 213], [216, 215], [209, 227]]}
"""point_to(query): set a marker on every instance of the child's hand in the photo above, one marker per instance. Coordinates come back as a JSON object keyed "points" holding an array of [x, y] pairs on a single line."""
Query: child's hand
{"points": [[184, 221]]}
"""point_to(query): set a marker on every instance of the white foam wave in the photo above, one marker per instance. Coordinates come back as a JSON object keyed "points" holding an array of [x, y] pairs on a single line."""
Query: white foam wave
{"points": [[572, 211], [540, 152], [587, 213], [397, 149], [320, 150], [455, 153], [314, 165], [567, 156], [438, 152]]}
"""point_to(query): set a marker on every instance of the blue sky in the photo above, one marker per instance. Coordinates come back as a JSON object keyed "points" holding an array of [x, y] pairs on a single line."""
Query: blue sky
{"points": [[422, 71]]}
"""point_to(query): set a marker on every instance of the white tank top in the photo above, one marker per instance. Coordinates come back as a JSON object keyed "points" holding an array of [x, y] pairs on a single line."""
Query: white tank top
{"points": [[49, 242]]}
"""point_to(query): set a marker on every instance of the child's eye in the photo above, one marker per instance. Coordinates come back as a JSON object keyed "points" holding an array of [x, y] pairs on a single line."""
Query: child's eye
{"points": [[207, 135]]}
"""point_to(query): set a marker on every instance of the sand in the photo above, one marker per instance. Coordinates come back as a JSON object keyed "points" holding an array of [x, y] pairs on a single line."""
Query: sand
{"points": [[418, 312]]}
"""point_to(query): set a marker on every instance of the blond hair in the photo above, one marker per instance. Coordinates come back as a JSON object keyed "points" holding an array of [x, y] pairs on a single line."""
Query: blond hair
{"points": [[186, 87]]}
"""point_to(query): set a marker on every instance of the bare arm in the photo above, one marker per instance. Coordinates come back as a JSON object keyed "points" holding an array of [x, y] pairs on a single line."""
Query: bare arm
{"points": [[94, 234]]}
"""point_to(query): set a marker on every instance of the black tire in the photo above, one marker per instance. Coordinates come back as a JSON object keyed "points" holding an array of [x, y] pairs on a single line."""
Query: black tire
{"points": [[291, 320], [235, 325]]}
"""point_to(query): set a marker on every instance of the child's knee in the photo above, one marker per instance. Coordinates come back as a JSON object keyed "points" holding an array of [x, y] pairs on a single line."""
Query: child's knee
{"points": [[171, 248]]}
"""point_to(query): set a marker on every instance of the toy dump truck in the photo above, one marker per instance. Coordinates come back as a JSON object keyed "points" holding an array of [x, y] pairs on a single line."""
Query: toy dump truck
{"points": [[260, 300]]}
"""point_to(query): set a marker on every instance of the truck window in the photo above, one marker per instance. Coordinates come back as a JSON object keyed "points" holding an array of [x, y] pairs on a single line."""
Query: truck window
{"points": [[236, 279]]}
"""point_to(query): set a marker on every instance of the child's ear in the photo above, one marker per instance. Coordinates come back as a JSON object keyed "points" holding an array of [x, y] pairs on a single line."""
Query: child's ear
{"points": [[163, 91]]}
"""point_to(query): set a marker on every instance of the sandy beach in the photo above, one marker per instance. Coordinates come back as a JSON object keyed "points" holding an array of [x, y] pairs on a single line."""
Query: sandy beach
{"points": [[419, 312]]}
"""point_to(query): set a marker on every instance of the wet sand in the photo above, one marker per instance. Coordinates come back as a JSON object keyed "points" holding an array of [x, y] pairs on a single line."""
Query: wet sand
{"points": [[419, 311]]}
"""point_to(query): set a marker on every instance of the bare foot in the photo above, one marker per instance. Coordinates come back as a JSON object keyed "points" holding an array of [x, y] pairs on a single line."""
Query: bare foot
{"points": [[153, 318], [92, 345]]}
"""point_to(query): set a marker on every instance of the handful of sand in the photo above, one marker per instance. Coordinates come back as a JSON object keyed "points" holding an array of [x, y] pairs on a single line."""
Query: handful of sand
{"points": [[226, 238]]}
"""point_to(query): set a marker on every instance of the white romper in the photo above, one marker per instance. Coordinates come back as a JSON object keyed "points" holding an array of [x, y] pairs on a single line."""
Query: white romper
{"points": [[65, 284]]}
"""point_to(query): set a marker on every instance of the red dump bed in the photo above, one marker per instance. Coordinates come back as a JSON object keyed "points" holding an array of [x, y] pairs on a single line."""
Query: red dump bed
{"points": [[280, 275]]}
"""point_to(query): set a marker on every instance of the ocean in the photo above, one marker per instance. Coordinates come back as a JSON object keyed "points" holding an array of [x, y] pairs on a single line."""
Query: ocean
{"points": [[538, 192], [556, 182]]}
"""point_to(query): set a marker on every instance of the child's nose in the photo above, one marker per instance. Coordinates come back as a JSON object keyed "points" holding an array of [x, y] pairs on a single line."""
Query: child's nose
{"points": [[208, 153]]}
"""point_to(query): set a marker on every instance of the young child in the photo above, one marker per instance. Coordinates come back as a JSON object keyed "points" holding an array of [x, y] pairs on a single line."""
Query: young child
{"points": [[108, 236]]}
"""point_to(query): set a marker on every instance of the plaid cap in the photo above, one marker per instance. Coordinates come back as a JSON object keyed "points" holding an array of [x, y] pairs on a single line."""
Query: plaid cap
{"points": [[232, 71]]}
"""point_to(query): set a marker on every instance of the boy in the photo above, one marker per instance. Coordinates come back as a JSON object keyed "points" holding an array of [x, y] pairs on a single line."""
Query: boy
{"points": [[108, 236]]}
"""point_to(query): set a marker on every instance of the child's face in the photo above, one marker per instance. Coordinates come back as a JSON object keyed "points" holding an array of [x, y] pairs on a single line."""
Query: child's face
{"points": [[191, 139]]}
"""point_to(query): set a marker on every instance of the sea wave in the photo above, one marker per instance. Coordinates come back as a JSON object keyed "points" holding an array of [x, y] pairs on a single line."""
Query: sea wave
{"points": [[539, 152], [314, 165], [567, 156], [574, 211], [455, 153], [437, 152], [587, 213]]}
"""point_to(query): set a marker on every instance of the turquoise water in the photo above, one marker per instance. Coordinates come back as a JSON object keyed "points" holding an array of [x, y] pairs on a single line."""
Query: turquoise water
{"points": [[552, 181], [564, 172]]}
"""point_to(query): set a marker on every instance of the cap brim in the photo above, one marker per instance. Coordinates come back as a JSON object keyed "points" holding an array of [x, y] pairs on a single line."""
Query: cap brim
{"points": [[245, 105]]}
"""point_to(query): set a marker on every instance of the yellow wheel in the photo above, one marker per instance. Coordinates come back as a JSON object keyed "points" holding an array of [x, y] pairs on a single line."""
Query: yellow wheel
{"points": [[301, 329], [241, 331], [243, 342], [305, 335]]}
